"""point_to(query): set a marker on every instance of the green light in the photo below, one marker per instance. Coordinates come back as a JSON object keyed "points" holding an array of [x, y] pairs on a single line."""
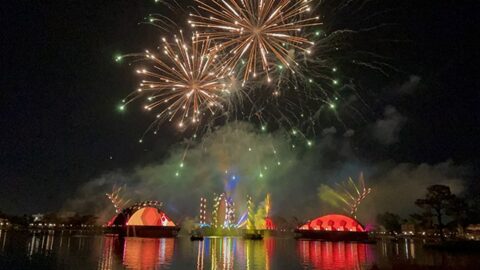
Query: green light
{"points": [[309, 143], [335, 82], [264, 128], [121, 108], [310, 80], [279, 163], [181, 165], [177, 174], [334, 69], [294, 132], [140, 141], [317, 33], [118, 58], [280, 66], [261, 175], [332, 106]]}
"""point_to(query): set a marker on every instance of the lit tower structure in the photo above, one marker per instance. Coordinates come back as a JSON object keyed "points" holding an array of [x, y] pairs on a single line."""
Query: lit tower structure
{"points": [[229, 212], [216, 206], [269, 225], [223, 214], [251, 218], [203, 212]]}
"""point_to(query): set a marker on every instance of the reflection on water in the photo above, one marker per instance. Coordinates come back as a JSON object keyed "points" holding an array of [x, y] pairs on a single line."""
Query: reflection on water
{"points": [[335, 255], [141, 253], [67, 250]]}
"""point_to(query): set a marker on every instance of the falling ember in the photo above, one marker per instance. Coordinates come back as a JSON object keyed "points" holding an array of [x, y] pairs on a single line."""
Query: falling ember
{"points": [[261, 31], [183, 83]]}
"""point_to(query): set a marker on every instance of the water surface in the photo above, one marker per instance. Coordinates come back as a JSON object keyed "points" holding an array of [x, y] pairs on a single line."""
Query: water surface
{"points": [[57, 250]]}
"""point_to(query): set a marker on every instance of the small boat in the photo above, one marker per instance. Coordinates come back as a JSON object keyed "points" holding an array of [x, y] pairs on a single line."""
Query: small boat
{"points": [[253, 236], [194, 237]]}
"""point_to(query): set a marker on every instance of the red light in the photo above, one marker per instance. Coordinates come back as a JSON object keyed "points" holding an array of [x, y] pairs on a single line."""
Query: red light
{"points": [[334, 222]]}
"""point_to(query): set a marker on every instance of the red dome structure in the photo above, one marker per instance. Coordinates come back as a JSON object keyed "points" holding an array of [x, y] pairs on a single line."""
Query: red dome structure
{"points": [[334, 222], [141, 214], [149, 216], [142, 219], [333, 227]]}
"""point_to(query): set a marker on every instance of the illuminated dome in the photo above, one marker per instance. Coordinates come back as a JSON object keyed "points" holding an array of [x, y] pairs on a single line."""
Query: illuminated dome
{"points": [[142, 214], [334, 222], [149, 216]]}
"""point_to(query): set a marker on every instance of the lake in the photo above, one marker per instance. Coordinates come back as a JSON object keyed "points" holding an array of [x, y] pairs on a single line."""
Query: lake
{"points": [[60, 250]]}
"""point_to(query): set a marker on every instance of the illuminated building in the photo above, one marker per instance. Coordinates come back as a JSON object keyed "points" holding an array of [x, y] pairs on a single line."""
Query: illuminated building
{"points": [[333, 227], [143, 219]]}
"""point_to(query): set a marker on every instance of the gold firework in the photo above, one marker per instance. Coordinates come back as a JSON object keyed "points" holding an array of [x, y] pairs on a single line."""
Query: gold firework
{"points": [[261, 30], [185, 83]]}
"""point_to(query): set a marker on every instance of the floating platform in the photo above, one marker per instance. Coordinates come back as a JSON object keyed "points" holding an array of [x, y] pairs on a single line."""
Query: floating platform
{"points": [[144, 231], [196, 238], [332, 235], [152, 231], [333, 227], [253, 236]]}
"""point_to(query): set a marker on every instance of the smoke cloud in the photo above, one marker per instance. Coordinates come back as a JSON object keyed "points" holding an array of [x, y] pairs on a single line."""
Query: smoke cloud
{"points": [[242, 160]]}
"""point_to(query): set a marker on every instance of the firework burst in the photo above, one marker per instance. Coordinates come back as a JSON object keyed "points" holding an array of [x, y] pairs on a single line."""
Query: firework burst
{"points": [[117, 199], [184, 83], [348, 194], [264, 32]]}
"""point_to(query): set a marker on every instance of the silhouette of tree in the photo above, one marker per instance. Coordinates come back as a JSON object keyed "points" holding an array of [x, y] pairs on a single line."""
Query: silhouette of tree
{"points": [[438, 199], [391, 222]]}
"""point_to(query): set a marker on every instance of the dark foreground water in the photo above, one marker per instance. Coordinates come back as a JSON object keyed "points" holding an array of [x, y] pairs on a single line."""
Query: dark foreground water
{"points": [[65, 251]]}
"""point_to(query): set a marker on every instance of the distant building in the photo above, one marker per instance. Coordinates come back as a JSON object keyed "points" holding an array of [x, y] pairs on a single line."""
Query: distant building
{"points": [[473, 232], [38, 217], [4, 222], [409, 228]]}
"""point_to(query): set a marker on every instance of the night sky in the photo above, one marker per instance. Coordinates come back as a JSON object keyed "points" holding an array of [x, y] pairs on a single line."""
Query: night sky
{"points": [[60, 88]]}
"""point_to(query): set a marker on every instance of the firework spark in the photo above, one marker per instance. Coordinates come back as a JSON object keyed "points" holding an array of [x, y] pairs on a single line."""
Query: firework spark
{"points": [[117, 199], [349, 194], [266, 32], [185, 83]]}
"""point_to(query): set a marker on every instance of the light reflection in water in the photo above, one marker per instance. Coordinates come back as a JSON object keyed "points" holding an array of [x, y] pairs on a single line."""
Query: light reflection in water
{"points": [[41, 243], [143, 253], [69, 250], [3, 239], [233, 253], [335, 255]]}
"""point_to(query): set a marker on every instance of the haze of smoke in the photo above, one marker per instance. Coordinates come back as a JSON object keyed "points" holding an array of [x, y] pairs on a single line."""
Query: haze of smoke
{"points": [[240, 150]]}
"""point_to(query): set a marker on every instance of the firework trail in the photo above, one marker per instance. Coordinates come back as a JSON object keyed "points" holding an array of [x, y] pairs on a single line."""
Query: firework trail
{"points": [[116, 197], [184, 83], [265, 32], [348, 195], [308, 60]]}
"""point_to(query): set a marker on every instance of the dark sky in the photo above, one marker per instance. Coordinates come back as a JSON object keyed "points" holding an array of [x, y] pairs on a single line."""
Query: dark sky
{"points": [[60, 87]]}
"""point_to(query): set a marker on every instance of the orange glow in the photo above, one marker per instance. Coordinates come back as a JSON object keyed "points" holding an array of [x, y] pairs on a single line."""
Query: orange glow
{"points": [[150, 216], [334, 223], [142, 253]]}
